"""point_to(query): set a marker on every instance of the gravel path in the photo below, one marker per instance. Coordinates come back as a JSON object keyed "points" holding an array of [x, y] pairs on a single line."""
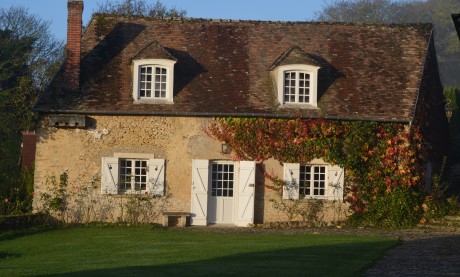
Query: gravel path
{"points": [[422, 254]]}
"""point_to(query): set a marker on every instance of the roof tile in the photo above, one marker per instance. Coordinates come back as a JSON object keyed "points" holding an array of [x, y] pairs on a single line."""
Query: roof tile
{"points": [[367, 71]]}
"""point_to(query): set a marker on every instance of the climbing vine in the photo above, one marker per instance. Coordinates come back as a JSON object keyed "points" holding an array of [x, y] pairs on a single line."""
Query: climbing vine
{"points": [[382, 160]]}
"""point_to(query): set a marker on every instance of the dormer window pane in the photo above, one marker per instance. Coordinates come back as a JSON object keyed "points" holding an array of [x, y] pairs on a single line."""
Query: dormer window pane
{"points": [[146, 82], [296, 87]]}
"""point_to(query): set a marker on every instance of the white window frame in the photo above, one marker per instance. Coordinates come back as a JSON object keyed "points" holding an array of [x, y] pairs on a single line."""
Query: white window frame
{"points": [[154, 63], [334, 181], [137, 179], [155, 173], [317, 181], [311, 70]]}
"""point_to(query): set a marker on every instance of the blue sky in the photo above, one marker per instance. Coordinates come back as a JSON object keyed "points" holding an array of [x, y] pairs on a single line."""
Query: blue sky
{"points": [[284, 10]]}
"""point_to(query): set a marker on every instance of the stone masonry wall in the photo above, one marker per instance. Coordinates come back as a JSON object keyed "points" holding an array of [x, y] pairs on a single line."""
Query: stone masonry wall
{"points": [[178, 140]]}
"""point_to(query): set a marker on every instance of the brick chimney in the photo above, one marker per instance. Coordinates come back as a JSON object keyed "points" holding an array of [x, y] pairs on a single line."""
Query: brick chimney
{"points": [[73, 48], [29, 144]]}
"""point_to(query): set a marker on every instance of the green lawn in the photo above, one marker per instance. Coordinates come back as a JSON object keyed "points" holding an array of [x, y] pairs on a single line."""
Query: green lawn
{"points": [[143, 251]]}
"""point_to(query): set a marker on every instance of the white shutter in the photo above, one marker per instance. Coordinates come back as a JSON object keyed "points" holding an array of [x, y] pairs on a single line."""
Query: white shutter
{"points": [[199, 203], [109, 180], [246, 189], [291, 181], [336, 176], [156, 177]]}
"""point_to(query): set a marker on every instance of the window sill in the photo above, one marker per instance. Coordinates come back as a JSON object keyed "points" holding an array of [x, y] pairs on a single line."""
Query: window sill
{"points": [[132, 195], [153, 102], [305, 106], [325, 198]]}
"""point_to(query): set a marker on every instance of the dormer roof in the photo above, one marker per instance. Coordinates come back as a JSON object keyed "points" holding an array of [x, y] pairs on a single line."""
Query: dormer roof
{"points": [[154, 50], [295, 55]]}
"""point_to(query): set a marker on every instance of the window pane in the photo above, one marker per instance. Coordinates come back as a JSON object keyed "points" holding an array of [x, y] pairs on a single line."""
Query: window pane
{"points": [[222, 179]]}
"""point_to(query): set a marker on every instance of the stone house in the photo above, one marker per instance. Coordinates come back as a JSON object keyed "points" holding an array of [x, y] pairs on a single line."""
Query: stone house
{"points": [[128, 108]]}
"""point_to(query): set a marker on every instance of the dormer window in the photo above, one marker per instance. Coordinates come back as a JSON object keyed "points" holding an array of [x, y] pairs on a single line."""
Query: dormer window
{"points": [[296, 87], [153, 81], [297, 84], [295, 74]]}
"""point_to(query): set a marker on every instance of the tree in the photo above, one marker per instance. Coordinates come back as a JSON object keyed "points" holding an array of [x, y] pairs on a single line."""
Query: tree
{"points": [[47, 52], [29, 58], [14, 75], [140, 8], [407, 11]]}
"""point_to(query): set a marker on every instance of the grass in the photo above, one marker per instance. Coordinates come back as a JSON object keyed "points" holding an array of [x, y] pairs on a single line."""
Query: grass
{"points": [[143, 251]]}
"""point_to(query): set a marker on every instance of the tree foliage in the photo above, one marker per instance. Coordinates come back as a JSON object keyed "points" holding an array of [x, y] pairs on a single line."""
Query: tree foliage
{"points": [[46, 53], [437, 12], [140, 8], [29, 57], [384, 169]]}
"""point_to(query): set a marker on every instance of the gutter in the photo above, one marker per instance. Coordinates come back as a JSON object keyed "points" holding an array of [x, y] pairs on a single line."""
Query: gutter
{"points": [[210, 114]]}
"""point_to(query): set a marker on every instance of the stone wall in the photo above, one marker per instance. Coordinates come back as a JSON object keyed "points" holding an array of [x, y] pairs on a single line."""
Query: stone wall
{"points": [[178, 140]]}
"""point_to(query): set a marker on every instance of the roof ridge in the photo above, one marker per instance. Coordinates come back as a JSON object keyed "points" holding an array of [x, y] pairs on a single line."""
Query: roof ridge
{"points": [[223, 20]]}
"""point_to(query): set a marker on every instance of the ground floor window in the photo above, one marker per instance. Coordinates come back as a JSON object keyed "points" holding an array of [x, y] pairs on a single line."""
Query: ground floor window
{"points": [[316, 180], [133, 175], [312, 181], [126, 174]]}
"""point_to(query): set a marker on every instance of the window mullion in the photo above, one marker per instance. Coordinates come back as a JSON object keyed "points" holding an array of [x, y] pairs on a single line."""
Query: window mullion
{"points": [[133, 175], [312, 182], [297, 85]]}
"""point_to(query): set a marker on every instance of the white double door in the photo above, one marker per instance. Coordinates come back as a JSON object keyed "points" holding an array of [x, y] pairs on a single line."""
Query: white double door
{"points": [[223, 192]]}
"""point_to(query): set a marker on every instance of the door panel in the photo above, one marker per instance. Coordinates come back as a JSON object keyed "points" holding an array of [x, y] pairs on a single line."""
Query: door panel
{"points": [[246, 192], [199, 203]]}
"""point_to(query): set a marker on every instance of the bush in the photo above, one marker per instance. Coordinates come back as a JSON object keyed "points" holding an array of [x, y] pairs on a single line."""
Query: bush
{"points": [[18, 200], [23, 221], [399, 209]]}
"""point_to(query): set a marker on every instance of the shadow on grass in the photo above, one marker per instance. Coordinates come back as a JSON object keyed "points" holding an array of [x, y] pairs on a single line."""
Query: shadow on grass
{"points": [[347, 259], [14, 234], [9, 255]]}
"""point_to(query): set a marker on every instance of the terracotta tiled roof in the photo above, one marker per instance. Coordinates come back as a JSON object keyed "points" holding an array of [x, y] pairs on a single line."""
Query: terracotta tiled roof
{"points": [[223, 67]]}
